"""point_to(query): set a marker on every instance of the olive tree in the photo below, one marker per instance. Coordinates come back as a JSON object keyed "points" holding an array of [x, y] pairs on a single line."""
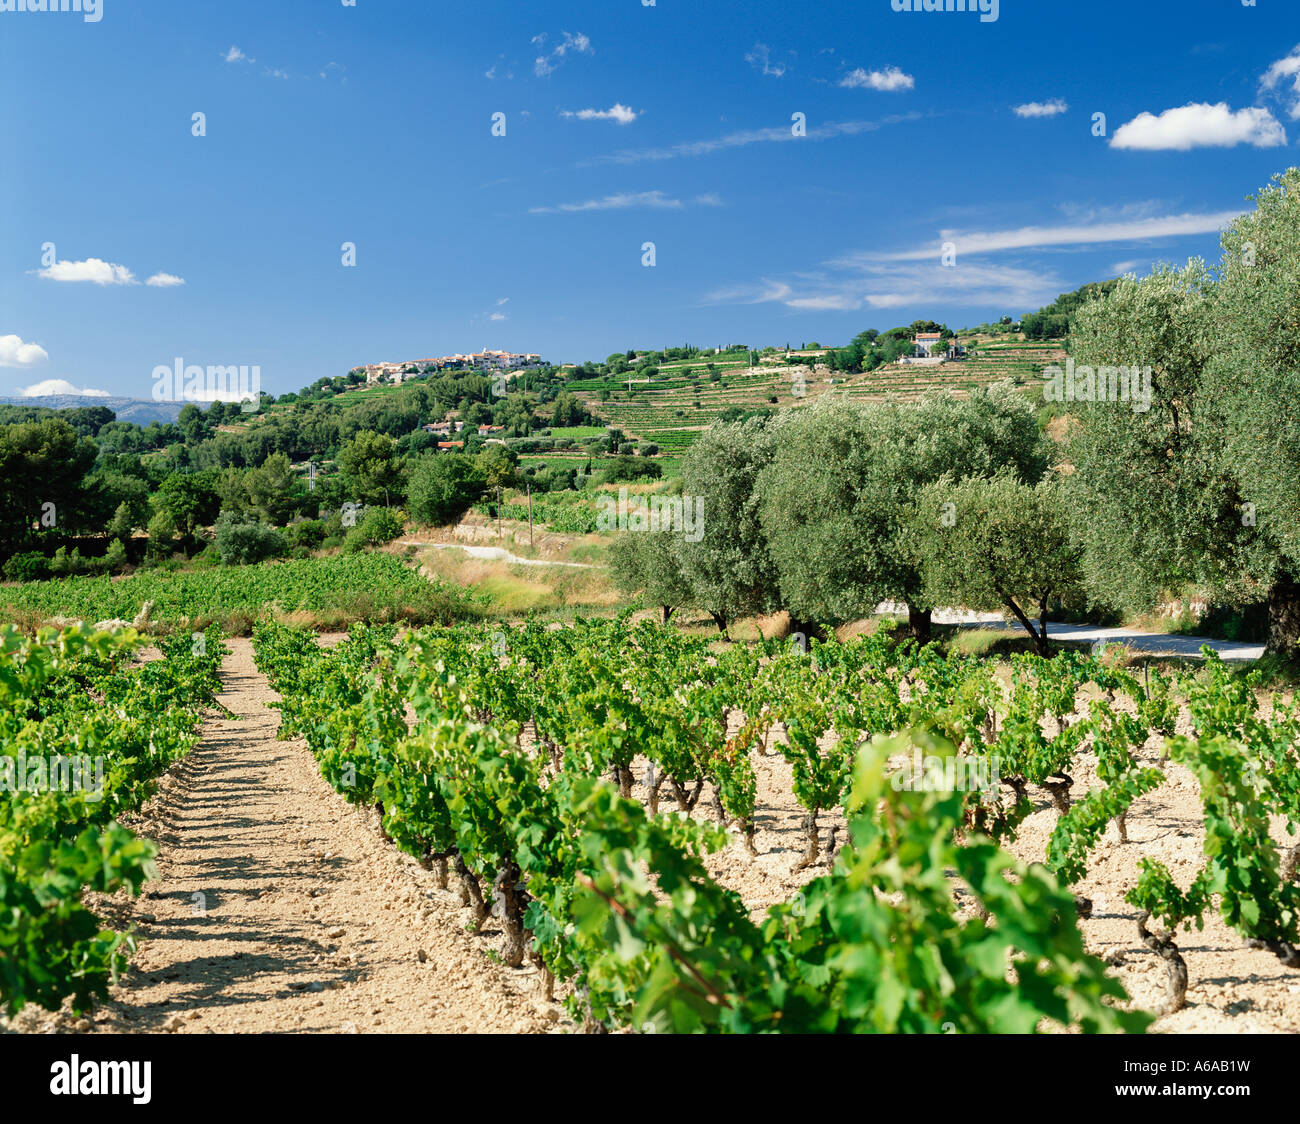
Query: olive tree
{"points": [[1149, 493], [844, 481], [1254, 378], [1204, 486], [648, 564], [728, 567], [996, 544]]}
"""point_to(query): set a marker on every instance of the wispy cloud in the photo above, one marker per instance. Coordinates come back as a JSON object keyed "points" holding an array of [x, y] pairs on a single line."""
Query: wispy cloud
{"points": [[276, 72], [623, 114], [1041, 108], [1200, 125], [760, 58], [15, 352], [236, 55], [917, 278], [889, 80], [165, 281], [549, 61], [971, 284], [498, 316], [1282, 73], [747, 137], [655, 200], [1043, 237], [880, 285], [93, 270]]}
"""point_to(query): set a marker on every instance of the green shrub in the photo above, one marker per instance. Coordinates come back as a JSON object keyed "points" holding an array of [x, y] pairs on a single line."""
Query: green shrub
{"points": [[29, 567], [309, 533], [443, 487], [207, 558], [380, 525], [626, 469], [243, 542]]}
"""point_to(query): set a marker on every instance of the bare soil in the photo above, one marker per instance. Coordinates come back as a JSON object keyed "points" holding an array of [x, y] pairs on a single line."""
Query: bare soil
{"points": [[278, 907]]}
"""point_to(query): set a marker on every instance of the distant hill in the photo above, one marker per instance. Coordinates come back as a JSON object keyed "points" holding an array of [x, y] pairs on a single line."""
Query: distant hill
{"points": [[140, 411], [682, 401]]}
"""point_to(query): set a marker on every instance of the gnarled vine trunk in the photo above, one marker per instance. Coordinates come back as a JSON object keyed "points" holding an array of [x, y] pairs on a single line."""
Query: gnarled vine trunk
{"points": [[510, 903], [624, 774], [1164, 947], [473, 892], [813, 848]]}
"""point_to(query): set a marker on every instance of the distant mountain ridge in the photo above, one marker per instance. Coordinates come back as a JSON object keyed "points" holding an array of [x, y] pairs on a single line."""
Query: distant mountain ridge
{"points": [[139, 411]]}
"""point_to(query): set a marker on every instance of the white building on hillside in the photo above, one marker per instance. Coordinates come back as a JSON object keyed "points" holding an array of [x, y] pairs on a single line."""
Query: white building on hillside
{"points": [[927, 345]]}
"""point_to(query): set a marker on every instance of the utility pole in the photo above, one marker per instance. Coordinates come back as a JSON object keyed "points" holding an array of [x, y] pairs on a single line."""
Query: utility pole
{"points": [[311, 476], [498, 511], [530, 514]]}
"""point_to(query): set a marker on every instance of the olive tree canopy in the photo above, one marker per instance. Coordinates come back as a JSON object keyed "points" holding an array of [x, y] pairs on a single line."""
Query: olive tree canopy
{"points": [[845, 478]]}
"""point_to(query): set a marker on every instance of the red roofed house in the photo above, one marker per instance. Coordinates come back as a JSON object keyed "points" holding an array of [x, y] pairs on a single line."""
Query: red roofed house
{"points": [[927, 343]]}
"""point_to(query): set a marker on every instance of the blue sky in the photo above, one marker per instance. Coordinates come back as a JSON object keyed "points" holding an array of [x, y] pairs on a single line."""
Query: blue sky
{"points": [[624, 124]]}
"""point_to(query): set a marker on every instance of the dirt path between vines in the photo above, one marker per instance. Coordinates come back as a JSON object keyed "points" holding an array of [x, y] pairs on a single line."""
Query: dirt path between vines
{"points": [[278, 907]]}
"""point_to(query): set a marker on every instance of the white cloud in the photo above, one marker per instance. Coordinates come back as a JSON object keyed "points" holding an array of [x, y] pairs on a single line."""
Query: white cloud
{"points": [[1200, 125], [503, 300], [60, 386], [165, 281], [916, 278], [981, 285], [1041, 108], [616, 112], [879, 285], [498, 316], [15, 353], [1038, 237], [623, 201], [1286, 71], [547, 64], [746, 137], [92, 269], [888, 80], [276, 72], [760, 58], [236, 55], [764, 292], [826, 302]]}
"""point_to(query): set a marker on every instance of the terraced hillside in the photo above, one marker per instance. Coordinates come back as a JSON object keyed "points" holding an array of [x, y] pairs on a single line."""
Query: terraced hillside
{"points": [[674, 408]]}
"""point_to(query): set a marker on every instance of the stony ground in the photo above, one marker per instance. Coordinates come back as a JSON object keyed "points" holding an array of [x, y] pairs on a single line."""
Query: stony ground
{"points": [[279, 907]]}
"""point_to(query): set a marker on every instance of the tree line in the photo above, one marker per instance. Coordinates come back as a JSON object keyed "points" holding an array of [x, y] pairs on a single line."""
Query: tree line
{"points": [[829, 510]]}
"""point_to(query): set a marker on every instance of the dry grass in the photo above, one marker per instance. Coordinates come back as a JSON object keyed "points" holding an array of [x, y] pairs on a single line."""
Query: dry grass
{"points": [[514, 589]]}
